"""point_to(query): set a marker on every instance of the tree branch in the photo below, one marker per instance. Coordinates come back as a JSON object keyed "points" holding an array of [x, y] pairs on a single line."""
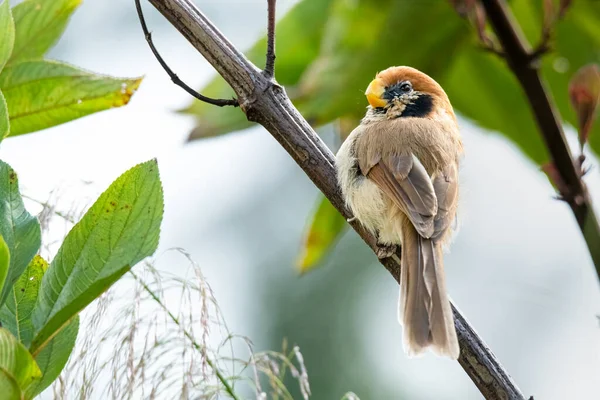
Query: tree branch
{"points": [[522, 61], [265, 102]]}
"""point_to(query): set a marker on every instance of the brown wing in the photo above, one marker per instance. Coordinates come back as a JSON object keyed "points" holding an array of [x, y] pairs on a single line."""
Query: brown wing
{"points": [[445, 185], [406, 182]]}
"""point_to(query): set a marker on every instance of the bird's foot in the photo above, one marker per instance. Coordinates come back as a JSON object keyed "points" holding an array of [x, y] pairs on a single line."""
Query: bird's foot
{"points": [[385, 250]]}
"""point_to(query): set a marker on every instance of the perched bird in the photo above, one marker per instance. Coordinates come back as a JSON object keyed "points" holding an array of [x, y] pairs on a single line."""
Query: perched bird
{"points": [[398, 171]]}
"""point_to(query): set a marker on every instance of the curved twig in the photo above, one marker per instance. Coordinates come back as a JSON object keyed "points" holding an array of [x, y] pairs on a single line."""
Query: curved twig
{"points": [[176, 80]]}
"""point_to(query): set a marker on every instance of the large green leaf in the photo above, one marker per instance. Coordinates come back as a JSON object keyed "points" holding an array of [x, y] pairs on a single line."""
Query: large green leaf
{"points": [[16, 317], [20, 230], [7, 33], [39, 24], [16, 313], [16, 362], [4, 262], [41, 94], [120, 229], [324, 229], [299, 35]]}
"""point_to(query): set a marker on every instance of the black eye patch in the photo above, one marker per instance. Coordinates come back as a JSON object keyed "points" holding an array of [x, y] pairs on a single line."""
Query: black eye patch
{"points": [[397, 90]]}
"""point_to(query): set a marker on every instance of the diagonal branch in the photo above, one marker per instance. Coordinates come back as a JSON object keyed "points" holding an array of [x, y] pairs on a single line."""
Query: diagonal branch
{"points": [[265, 102], [521, 60]]}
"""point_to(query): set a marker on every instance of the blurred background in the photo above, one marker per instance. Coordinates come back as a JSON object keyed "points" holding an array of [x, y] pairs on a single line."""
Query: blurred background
{"points": [[519, 269]]}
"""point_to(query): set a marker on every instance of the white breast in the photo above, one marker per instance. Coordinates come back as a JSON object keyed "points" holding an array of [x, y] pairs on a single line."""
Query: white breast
{"points": [[362, 196]]}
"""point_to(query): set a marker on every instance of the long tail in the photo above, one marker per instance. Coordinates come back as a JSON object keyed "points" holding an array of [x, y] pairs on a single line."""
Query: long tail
{"points": [[424, 308]]}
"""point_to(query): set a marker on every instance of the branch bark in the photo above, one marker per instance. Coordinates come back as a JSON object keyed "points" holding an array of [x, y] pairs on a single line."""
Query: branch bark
{"points": [[524, 64], [265, 102]]}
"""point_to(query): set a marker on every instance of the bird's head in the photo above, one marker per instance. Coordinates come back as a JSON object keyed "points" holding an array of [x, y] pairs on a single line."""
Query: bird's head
{"points": [[406, 92]]}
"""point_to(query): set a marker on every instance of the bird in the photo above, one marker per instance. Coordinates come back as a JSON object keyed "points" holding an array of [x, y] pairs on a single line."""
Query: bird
{"points": [[398, 174]]}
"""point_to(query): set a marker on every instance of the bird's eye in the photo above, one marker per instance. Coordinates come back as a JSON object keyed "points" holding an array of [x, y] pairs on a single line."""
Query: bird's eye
{"points": [[406, 87]]}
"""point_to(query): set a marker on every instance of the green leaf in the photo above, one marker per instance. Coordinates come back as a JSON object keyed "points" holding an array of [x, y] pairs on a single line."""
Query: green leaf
{"points": [[4, 262], [16, 317], [299, 35], [16, 362], [325, 228], [7, 33], [17, 311], [41, 94], [20, 230], [120, 229], [39, 25], [4, 120], [53, 357]]}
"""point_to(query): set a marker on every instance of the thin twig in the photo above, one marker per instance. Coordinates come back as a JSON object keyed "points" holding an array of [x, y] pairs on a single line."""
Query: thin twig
{"points": [[490, 48], [269, 70], [187, 334], [173, 75], [540, 50], [265, 102], [543, 46], [548, 27], [518, 55]]}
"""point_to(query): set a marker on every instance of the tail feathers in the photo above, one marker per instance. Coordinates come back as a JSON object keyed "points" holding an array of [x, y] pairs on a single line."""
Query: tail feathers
{"points": [[424, 308]]}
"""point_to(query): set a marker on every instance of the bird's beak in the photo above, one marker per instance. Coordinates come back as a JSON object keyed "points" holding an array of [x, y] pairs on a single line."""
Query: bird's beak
{"points": [[375, 93]]}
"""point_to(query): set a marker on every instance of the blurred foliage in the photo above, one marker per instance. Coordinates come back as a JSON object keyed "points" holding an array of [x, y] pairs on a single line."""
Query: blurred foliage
{"points": [[327, 66], [323, 230], [36, 93]]}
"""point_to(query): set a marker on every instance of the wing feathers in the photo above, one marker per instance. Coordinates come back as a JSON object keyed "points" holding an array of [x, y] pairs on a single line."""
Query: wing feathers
{"points": [[406, 182]]}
